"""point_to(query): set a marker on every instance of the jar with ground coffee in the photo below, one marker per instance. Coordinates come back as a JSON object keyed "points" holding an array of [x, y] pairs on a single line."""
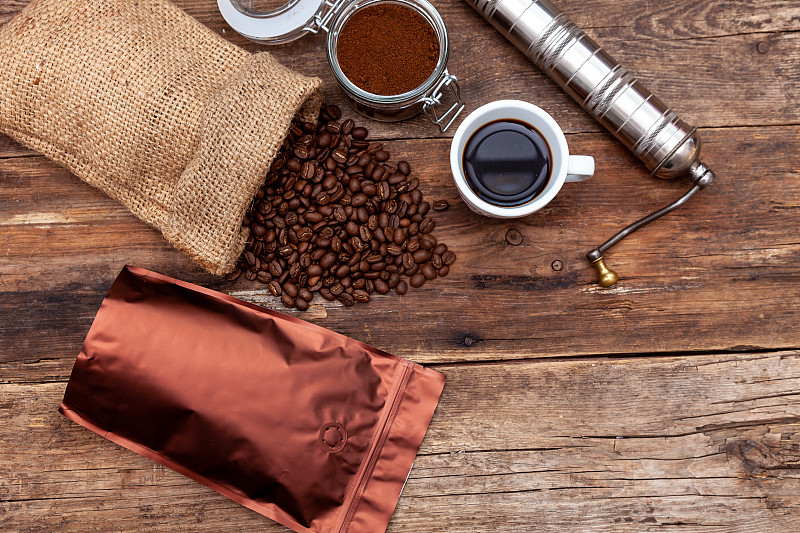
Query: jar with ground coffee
{"points": [[388, 56]]}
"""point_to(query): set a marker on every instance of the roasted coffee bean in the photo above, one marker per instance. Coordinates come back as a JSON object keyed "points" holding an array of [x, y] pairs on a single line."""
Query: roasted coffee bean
{"points": [[401, 288], [263, 277], [381, 287], [275, 288], [448, 258], [381, 155], [361, 296], [427, 225], [408, 260], [258, 230], [290, 289], [436, 261], [326, 293], [305, 294], [421, 255], [346, 299], [287, 300], [334, 111], [428, 271], [301, 304], [417, 280], [444, 271], [439, 249], [403, 167], [324, 139], [359, 133], [427, 242], [234, 275], [347, 127]]}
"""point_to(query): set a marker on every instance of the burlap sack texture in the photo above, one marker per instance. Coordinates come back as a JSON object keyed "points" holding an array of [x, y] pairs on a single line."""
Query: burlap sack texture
{"points": [[143, 102]]}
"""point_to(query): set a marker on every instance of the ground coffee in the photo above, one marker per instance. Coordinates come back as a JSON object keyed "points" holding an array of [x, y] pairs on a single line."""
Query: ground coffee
{"points": [[387, 49]]}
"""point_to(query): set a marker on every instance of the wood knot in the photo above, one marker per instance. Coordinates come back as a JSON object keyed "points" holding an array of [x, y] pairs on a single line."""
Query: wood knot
{"points": [[762, 47], [513, 237], [556, 265]]}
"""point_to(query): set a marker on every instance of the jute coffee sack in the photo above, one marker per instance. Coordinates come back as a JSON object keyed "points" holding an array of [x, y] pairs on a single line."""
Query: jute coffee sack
{"points": [[143, 102]]}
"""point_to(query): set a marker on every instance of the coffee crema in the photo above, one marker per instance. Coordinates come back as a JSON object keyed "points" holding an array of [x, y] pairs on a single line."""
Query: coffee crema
{"points": [[507, 162]]}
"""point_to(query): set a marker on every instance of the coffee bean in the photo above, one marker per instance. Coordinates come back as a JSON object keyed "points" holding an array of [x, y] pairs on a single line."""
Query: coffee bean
{"points": [[401, 288], [381, 287], [428, 271], [301, 304], [290, 289], [334, 111], [448, 258], [403, 167], [360, 296], [427, 225], [263, 277], [305, 294], [440, 205], [381, 155], [428, 242], [287, 300], [234, 275], [326, 293], [275, 288], [417, 280], [421, 255], [347, 126], [444, 271], [359, 133], [346, 299], [439, 249]]}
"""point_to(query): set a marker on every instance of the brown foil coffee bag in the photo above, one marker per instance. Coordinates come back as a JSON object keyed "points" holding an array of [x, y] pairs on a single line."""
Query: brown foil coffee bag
{"points": [[308, 427]]}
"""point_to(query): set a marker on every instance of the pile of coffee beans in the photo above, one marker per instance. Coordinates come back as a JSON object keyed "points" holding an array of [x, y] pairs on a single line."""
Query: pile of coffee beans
{"points": [[335, 216]]}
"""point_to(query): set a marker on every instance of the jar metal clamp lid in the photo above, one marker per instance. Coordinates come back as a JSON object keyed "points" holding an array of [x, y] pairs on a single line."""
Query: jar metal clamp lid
{"points": [[297, 18]]}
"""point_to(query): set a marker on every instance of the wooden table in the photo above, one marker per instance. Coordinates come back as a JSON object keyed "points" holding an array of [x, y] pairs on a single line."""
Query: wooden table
{"points": [[669, 402]]}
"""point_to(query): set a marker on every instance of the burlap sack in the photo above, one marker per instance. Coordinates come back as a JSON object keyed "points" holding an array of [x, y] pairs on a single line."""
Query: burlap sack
{"points": [[143, 102]]}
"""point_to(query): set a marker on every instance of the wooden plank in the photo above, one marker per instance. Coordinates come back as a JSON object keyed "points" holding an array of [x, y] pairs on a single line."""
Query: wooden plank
{"points": [[707, 60], [621, 444], [719, 274]]}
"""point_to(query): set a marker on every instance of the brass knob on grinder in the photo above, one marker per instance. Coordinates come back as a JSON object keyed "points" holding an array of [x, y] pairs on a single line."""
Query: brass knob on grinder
{"points": [[605, 276]]}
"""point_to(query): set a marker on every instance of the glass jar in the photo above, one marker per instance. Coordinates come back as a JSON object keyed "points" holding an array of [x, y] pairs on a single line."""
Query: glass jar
{"points": [[439, 96]]}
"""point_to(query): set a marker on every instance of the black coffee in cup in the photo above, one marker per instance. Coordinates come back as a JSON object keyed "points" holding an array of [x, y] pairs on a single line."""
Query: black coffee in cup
{"points": [[507, 163]]}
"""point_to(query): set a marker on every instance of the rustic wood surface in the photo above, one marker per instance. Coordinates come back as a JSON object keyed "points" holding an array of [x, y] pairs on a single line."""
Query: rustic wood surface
{"points": [[668, 403]]}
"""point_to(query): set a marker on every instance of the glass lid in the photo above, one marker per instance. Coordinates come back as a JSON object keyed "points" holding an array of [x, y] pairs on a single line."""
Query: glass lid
{"points": [[276, 21]]}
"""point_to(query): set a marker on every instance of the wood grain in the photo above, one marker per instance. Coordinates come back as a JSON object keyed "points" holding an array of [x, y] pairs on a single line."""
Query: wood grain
{"points": [[621, 444], [720, 274], [669, 403]]}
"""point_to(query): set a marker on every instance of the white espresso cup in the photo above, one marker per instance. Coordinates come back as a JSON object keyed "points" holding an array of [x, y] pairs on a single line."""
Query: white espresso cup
{"points": [[564, 167]]}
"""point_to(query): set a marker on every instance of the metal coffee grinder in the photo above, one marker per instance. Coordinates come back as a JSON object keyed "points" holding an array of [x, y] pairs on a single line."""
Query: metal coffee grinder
{"points": [[668, 146]]}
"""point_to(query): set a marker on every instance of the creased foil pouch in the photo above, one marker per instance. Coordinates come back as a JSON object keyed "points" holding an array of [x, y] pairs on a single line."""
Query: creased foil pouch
{"points": [[308, 427]]}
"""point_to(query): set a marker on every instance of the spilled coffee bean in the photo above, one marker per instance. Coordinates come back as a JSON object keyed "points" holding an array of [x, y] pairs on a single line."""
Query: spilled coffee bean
{"points": [[337, 217]]}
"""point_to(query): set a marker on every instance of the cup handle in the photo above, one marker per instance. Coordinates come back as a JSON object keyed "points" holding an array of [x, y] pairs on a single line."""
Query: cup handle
{"points": [[579, 168]]}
